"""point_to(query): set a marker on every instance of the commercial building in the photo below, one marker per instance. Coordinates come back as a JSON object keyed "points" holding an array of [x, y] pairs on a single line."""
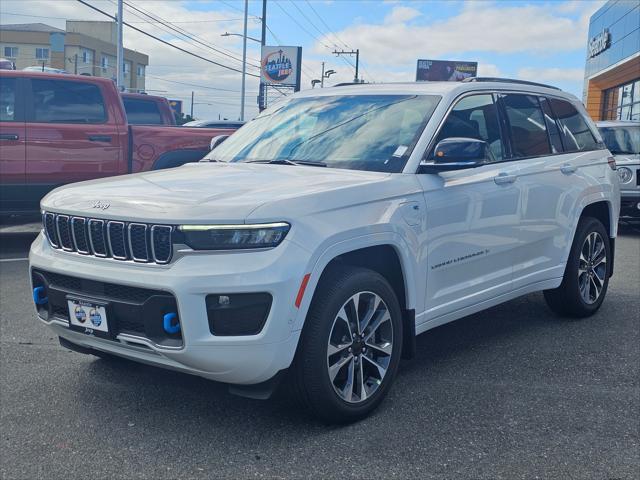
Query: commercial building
{"points": [[84, 47], [612, 73]]}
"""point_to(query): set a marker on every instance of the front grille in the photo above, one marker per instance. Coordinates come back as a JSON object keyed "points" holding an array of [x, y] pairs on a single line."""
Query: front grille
{"points": [[139, 242]]}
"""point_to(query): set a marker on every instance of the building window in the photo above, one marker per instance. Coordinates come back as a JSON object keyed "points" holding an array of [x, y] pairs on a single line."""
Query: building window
{"points": [[42, 54], [622, 103], [104, 63], [126, 68], [11, 52], [87, 56], [141, 70]]}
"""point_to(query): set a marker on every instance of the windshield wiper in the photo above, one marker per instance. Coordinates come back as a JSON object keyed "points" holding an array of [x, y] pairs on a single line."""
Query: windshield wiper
{"points": [[284, 161]]}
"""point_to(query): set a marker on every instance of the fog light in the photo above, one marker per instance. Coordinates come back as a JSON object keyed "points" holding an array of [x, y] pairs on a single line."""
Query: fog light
{"points": [[238, 313]]}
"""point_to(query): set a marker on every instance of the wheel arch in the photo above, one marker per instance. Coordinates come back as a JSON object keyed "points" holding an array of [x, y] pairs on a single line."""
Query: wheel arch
{"points": [[389, 259]]}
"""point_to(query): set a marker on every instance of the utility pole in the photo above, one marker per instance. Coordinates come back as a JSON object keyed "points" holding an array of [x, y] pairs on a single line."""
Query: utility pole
{"points": [[244, 59], [120, 51], [322, 77], [352, 52], [262, 91], [191, 105], [75, 64]]}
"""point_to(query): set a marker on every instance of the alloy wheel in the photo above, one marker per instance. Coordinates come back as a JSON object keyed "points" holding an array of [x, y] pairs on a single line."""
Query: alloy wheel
{"points": [[592, 269], [359, 347]]}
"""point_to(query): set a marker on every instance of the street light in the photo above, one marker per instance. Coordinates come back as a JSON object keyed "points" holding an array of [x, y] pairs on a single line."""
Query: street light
{"points": [[314, 83], [324, 75], [227, 34]]}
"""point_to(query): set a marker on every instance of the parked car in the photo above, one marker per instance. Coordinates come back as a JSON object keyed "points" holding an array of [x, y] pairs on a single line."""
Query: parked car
{"points": [[57, 129], [143, 109], [214, 124], [7, 64], [319, 239], [623, 140]]}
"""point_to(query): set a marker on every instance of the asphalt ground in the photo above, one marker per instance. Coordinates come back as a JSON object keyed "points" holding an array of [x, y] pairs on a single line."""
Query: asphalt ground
{"points": [[512, 392]]}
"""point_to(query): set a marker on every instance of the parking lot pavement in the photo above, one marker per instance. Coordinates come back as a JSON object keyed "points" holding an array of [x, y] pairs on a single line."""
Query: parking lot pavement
{"points": [[511, 392]]}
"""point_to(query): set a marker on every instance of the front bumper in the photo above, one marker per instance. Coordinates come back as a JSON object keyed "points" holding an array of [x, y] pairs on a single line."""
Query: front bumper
{"points": [[630, 203], [244, 360]]}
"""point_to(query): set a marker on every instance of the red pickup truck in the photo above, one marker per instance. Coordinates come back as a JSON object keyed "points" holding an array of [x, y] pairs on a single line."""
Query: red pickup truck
{"points": [[143, 109], [57, 129]]}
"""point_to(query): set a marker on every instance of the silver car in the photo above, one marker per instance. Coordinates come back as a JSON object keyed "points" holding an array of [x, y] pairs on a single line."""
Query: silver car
{"points": [[623, 141]]}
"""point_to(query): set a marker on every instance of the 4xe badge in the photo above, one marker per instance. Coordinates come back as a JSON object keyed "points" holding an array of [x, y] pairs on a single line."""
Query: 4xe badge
{"points": [[101, 205]]}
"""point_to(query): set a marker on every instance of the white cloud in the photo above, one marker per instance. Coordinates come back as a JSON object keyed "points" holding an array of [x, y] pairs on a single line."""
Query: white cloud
{"points": [[488, 70], [401, 15], [480, 26], [551, 74]]}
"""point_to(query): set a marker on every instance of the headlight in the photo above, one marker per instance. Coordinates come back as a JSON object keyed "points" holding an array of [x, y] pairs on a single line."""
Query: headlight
{"points": [[625, 174], [234, 237]]}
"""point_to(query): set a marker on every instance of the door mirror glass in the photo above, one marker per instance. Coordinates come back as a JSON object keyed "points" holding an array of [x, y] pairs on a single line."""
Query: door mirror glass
{"points": [[457, 153]]}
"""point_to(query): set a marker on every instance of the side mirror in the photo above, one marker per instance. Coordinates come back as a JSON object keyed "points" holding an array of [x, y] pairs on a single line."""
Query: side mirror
{"points": [[457, 153], [217, 140]]}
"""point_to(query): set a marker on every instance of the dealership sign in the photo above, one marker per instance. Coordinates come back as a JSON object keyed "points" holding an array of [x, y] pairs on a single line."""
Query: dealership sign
{"points": [[281, 66], [599, 43], [445, 70]]}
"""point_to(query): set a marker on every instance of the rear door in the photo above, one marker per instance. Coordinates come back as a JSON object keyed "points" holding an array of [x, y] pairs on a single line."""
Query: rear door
{"points": [[557, 153], [71, 133], [12, 145]]}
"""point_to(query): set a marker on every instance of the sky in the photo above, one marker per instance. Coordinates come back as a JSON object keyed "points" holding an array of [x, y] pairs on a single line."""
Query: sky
{"points": [[536, 40]]}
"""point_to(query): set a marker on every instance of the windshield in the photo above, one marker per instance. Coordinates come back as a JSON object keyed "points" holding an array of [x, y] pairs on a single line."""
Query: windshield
{"points": [[622, 140], [360, 132]]}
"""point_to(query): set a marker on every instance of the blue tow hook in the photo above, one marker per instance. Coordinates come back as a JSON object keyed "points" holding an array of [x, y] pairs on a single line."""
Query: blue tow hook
{"points": [[38, 299], [167, 323]]}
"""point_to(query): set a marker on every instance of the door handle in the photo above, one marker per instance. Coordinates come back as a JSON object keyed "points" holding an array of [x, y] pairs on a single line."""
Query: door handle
{"points": [[100, 138], [568, 169], [9, 136], [504, 179]]}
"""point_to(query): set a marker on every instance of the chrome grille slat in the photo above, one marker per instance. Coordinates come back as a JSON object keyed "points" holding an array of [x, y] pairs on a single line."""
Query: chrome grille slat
{"points": [[138, 247], [79, 235], [132, 241], [161, 251], [64, 232], [116, 240]]}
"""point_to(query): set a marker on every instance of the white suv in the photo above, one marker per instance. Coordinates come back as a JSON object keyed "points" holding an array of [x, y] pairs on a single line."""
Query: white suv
{"points": [[324, 235]]}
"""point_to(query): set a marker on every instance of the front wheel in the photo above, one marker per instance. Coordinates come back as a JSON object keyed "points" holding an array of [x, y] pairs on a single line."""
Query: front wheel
{"points": [[586, 275], [350, 347]]}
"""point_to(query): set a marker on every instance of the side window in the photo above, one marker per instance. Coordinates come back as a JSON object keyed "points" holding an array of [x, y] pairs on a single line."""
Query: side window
{"points": [[552, 127], [526, 125], [7, 99], [141, 112], [574, 130], [474, 116], [62, 101]]}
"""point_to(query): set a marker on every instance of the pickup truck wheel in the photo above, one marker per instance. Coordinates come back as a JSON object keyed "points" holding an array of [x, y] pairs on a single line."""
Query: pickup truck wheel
{"points": [[586, 275], [350, 346]]}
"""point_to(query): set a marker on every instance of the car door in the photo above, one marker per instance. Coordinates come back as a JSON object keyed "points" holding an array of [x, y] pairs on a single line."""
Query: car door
{"points": [[70, 133], [555, 157], [472, 216], [12, 146]]}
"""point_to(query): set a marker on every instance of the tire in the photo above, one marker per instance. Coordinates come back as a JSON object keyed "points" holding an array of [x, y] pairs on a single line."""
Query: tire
{"points": [[374, 358], [578, 295]]}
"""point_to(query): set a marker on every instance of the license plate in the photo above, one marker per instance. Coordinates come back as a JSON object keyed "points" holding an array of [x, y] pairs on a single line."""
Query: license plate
{"points": [[88, 317]]}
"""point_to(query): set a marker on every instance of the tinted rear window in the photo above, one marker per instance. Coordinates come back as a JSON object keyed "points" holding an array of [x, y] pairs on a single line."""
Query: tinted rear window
{"points": [[574, 130], [142, 112], [63, 101], [7, 99]]}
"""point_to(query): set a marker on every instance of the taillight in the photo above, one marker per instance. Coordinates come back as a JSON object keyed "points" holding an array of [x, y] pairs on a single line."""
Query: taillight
{"points": [[612, 163]]}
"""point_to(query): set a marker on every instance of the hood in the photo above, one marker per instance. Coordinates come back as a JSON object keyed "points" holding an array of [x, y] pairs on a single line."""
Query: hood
{"points": [[221, 192], [626, 159]]}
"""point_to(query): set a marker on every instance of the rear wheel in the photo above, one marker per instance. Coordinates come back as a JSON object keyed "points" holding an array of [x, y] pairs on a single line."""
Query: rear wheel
{"points": [[586, 276], [350, 346]]}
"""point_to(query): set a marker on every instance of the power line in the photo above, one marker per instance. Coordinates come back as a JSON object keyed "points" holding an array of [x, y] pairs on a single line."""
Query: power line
{"points": [[325, 24], [198, 85], [183, 32], [165, 42], [144, 21]]}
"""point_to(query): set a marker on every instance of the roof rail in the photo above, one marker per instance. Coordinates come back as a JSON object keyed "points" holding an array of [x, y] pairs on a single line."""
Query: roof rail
{"points": [[344, 84], [508, 80]]}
